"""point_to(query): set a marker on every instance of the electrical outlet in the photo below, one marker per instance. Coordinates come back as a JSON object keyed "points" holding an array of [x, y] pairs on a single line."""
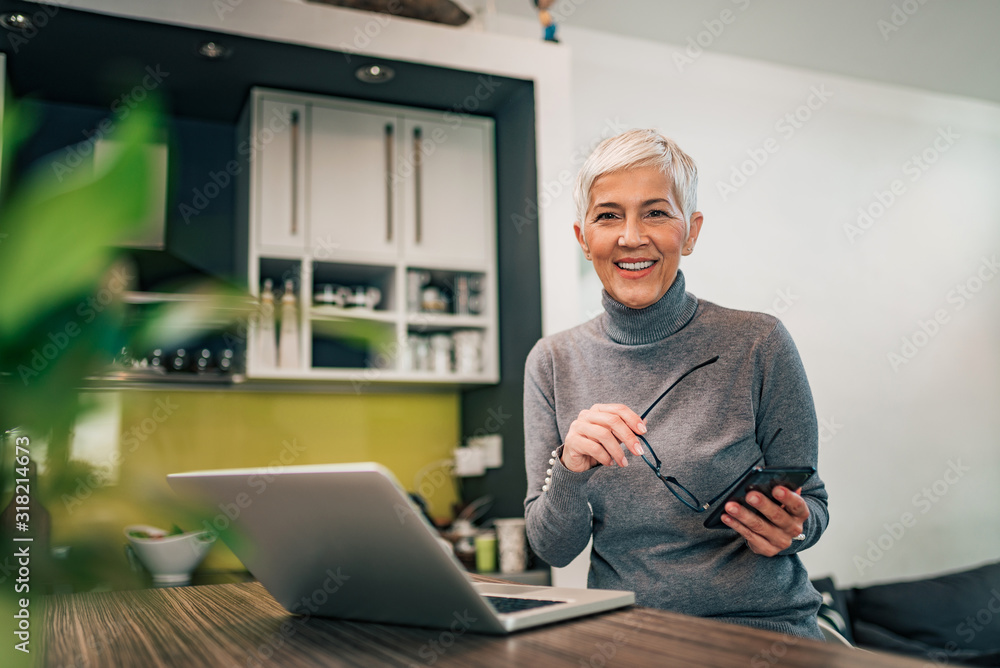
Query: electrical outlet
{"points": [[469, 461], [492, 447]]}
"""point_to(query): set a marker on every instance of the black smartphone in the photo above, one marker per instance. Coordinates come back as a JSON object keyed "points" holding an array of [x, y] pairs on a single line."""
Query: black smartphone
{"points": [[763, 480]]}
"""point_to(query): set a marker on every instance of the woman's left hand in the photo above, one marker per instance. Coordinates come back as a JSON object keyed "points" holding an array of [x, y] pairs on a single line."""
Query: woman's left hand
{"points": [[782, 521]]}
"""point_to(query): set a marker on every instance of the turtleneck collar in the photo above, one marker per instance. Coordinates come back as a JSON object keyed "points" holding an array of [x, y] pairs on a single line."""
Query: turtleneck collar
{"points": [[632, 327]]}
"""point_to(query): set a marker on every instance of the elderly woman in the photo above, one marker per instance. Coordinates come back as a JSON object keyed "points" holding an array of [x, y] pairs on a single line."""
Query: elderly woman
{"points": [[595, 407]]}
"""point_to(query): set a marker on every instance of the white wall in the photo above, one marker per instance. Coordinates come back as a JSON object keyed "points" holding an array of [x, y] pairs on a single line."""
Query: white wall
{"points": [[781, 242]]}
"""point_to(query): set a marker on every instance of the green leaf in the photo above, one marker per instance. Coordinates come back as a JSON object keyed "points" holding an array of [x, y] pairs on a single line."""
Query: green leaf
{"points": [[18, 125], [205, 307], [59, 234]]}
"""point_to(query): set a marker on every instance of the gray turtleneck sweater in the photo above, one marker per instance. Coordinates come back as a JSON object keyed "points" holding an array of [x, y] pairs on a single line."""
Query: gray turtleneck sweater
{"points": [[706, 431]]}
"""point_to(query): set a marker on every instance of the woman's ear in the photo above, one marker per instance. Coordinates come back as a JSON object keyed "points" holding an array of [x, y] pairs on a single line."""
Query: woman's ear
{"points": [[693, 231], [582, 240]]}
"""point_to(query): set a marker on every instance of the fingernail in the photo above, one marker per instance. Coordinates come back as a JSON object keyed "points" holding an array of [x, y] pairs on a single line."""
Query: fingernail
{"points": [[624, 462], [727, 519], [779, 493], [638, 447], [753, 499], [642, 428]]}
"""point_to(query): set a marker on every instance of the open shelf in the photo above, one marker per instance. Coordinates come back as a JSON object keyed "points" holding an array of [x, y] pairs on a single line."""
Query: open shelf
{"points": [[418, 322], [326, 312]]}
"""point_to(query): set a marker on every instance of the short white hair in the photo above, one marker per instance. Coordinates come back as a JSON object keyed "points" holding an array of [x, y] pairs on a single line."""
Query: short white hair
{"points": [[640, 148]]}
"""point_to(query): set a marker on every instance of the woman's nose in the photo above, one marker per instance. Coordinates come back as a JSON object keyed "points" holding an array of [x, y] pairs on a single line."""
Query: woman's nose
{"points": [[633, 234]]}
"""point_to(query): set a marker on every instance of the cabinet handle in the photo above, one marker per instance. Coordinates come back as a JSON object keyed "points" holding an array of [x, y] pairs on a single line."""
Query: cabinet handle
{"points": [[389, 168], [417, 176], [295, 172]]}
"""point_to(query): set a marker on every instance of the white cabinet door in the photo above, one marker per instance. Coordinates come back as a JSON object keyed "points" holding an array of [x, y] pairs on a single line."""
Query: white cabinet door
{"points": [[278, 146], [448, 193], [352, 162]]}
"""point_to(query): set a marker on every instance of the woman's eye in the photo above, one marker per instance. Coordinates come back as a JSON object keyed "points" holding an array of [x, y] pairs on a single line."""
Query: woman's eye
{"points": [[658, 213], [607, 215]]}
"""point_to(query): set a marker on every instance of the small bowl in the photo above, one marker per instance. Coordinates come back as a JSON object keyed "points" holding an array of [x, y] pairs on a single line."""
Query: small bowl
{"points": [[170, 559]]}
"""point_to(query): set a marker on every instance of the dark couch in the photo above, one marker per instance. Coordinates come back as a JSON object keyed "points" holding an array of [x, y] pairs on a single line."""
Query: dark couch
{"points": [[952, 619]]}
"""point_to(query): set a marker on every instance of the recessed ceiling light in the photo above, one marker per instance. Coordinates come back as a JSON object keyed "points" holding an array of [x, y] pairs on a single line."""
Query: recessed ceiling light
{"points": [[375, 73], [213, 51], [16, 21]]}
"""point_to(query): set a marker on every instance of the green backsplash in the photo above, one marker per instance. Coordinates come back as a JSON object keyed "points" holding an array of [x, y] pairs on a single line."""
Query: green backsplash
{"points": [[140, 436]]}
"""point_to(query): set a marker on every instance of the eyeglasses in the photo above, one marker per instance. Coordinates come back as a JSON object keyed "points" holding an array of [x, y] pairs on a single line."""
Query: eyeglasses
{"points": [[683, 494]]}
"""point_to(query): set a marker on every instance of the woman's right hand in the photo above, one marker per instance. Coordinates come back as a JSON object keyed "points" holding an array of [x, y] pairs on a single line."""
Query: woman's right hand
{"points": [[597, 434]]}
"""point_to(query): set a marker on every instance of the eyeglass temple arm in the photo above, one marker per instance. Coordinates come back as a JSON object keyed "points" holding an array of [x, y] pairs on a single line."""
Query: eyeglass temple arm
{"points": [[650, 450], [657, 466], [674, 384]]}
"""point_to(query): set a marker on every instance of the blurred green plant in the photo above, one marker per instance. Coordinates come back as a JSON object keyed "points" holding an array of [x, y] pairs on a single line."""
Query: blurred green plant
{"points": [[57, 251]]}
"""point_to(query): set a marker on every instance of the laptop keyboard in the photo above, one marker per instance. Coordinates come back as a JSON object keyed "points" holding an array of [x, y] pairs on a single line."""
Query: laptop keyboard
{"points": [[504, 604]]}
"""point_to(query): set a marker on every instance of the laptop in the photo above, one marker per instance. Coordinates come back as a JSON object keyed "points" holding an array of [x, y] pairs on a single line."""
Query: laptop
{"points": [[346, 541]]}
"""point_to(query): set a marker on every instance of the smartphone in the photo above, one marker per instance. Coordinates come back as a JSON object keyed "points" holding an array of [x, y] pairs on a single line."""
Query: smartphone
{"points": [[763, 480]]}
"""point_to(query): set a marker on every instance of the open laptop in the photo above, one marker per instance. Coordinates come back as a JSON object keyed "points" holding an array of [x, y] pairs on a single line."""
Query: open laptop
{"points": [[345, 541]]}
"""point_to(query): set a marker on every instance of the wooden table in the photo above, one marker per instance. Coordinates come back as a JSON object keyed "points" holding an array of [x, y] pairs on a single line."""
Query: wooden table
{"points": [[226, 625]]}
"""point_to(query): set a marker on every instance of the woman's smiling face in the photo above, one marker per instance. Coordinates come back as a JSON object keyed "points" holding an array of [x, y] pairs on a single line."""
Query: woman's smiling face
{"points": [[635, 234]]}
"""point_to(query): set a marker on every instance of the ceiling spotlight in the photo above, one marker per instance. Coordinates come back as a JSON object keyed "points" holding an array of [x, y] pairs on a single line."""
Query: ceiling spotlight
{"points": [[374, 73], [213, 51], [16, 21]]}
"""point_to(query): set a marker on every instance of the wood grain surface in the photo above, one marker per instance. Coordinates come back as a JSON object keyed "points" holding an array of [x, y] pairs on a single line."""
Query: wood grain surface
{"points": [[219, 626]]}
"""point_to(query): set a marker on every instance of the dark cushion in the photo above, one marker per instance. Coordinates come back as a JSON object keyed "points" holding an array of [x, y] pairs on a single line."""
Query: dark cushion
{"points": [[834, 607], [960, 611], [873, 636]]}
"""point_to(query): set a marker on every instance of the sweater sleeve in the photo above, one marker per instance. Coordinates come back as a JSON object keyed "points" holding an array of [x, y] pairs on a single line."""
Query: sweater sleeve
{"points": [[784, 401], [558, 519]]}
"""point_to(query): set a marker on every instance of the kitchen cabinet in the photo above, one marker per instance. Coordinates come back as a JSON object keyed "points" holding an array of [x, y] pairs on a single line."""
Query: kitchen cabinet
{"points": [[384, 220], [389, 182], [278, 149], [352, 194], [447, 191]]}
